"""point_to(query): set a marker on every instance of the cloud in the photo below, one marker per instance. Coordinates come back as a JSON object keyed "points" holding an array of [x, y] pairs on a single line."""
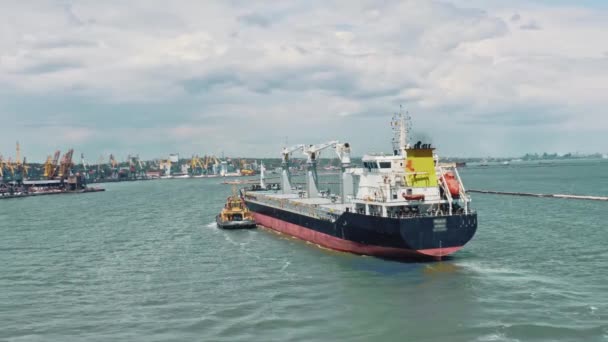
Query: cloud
{"points": [[255, 19], [531, 25], [192, 73]]}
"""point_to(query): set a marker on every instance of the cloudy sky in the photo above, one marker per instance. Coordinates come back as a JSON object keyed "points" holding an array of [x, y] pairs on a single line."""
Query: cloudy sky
{"points": [[155, 77]]}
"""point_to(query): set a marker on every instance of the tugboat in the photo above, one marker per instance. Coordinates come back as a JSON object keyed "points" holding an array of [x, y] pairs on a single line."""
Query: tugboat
{"points": [[407, 204], [235, 215]]}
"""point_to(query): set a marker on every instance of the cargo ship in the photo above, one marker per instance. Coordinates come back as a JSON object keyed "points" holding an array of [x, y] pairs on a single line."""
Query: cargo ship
{"points": [[406, 205]]}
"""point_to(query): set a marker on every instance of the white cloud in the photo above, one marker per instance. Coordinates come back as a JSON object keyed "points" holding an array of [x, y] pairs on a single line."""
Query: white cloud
{"points": [[315, 63]]}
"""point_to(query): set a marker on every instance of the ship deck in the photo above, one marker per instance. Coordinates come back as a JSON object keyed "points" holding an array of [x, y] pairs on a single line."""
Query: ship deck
{"points": [[322, 202], [318, 206]]}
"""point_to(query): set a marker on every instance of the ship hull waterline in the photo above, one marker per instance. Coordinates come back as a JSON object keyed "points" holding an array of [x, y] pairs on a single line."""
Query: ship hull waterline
{"points": [[408, 238]]}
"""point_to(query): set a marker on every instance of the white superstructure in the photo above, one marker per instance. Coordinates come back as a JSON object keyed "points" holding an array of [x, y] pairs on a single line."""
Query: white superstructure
{"points": [[408, 182]]}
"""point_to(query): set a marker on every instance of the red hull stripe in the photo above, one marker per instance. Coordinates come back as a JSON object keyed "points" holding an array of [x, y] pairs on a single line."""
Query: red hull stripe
{"points": [[333, 242]]}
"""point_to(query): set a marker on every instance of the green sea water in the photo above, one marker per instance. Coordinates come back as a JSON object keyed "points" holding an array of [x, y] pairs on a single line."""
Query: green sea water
{"points": [[144, 261]]}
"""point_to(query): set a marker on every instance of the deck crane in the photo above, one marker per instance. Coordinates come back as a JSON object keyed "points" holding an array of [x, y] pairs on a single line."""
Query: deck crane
{"points": [[262, 175], [346, 184], [285, 175], [312, 153], [65, 168]]}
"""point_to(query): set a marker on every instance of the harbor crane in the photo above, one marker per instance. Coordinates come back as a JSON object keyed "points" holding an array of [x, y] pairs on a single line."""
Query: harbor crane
{"points": [[25, 169], [1, 168], [196, 162], [85, 167], [19, 169], [50, 166], [113, 166], [100, 173], [141, 170], [65, 168]]}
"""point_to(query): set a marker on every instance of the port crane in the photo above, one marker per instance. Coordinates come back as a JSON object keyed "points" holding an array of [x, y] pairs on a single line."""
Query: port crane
{"points": [[141, 170], [165, 164], [25, 169], [65, 168], [18, 164], [1, 168], [85, 168], [195, 162], [100, 172], [113, 166], [50, 166]]}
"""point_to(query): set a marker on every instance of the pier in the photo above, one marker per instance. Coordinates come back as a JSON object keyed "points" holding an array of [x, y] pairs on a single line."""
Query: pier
{"points": [[528, 194]]}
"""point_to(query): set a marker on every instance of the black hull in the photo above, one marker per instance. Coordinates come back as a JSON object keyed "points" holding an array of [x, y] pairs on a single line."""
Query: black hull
{"points": [[391, 237]]}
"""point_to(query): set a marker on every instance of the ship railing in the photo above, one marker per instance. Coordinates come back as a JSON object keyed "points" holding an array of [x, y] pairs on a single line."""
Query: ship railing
{"points": [[376, 194], [463, 193], [446, 190], [305, 209]]}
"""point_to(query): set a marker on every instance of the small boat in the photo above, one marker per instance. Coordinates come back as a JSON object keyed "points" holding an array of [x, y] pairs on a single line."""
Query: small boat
{"points": [[235, 215]]}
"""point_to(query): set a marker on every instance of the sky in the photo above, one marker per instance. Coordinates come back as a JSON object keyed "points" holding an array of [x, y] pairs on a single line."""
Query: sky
{"points": [[244, 78]]}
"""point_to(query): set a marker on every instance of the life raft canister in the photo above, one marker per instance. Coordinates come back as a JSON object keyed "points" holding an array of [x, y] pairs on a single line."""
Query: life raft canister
{"points": [[452, 184]]}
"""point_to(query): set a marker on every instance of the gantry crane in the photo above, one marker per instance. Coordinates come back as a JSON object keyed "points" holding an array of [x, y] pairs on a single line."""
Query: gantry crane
{"points": [[113, 166]]}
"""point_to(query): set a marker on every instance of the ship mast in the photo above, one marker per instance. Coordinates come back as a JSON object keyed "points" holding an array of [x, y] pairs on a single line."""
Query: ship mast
{"points": [[401, 128]]}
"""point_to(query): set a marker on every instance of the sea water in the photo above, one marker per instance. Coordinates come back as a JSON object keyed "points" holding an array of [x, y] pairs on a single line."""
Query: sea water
{"points": [[144, 261]]}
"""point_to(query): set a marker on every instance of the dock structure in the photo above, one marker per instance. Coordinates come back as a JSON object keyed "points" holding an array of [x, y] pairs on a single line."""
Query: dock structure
{"points": [[528, 194], [29, 188]]}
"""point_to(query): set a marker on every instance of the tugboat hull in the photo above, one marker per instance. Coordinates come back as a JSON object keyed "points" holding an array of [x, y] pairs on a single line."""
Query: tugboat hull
{"points": [[243, 224]]}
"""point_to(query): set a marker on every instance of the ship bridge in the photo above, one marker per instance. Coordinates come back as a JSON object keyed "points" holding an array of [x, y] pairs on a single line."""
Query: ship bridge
{"points": [[382, 163]]}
